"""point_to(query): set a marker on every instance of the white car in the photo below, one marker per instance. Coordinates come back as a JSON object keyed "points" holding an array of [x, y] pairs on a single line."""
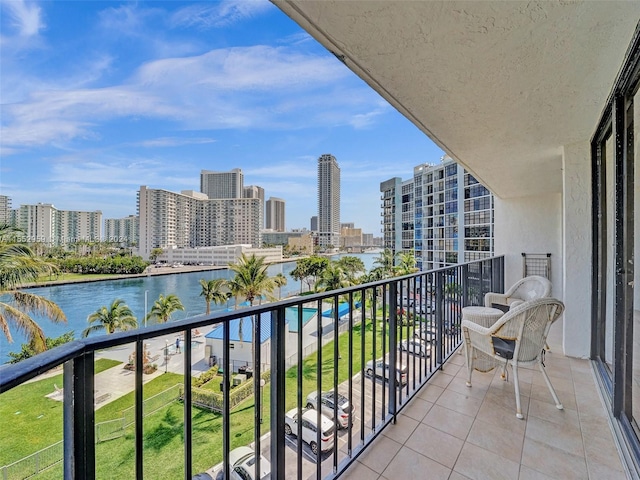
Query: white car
{"points": [[242, 462], [309, 420], [415, 346], [380, 368], [328, 401], [426, 333]]}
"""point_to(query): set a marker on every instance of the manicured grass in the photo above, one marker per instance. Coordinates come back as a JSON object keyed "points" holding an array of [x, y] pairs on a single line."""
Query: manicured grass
{"points": [[30, 420], [164, 430]]}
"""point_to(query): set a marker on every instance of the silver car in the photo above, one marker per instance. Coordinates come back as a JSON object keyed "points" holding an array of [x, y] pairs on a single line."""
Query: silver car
{"points": [[415, 346], [328, 401], [242, 462], [380, 367]]}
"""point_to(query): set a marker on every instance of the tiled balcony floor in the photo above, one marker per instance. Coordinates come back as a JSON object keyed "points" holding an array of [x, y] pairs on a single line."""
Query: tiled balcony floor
{"points": [[451, 431]]}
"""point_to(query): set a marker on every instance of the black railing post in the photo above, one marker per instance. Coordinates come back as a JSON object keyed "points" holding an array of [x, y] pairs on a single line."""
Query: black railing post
{"points": [[139, 410], [439, 315], [464, 283], [188, 423], [277, 392], [226, 404], [393, 349], [79, 418]]}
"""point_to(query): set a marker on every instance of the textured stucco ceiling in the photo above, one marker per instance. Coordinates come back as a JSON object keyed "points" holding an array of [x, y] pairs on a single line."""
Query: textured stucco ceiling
{"points": [[501, 86]]}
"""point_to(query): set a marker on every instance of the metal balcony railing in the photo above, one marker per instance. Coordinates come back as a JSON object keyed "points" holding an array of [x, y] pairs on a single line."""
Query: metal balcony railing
{"points": [[333, 350]]}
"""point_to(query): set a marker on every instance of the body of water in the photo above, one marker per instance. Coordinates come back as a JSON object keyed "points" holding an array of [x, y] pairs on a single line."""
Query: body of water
{"points": [[79, 300]]}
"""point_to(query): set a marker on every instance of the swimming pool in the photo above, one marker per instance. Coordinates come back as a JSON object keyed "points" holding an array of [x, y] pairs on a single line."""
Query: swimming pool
{"points": [[292, 316]]}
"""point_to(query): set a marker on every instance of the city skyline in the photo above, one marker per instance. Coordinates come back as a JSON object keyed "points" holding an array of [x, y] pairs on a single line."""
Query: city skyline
{"points": [[99, 98]]}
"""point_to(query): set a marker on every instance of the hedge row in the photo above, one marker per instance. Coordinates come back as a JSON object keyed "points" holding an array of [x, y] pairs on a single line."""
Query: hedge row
{"points": [[117, 265]]}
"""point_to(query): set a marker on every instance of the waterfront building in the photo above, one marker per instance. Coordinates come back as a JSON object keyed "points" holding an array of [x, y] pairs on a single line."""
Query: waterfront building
{"points": [[391, 225], [446, 215], [122, 231], [5, 210], [44, 223], [328, 201], [190, 219], [221, 255], [313, 224], [351, 238], [275, 214], [222, 184]]}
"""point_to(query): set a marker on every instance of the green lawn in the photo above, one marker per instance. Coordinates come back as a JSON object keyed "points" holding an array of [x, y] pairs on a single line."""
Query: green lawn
{"points": [[164, 430], [27, 409]]}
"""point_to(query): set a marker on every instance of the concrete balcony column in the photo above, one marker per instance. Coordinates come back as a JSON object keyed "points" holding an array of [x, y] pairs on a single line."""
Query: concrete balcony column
{"points": [[577, 248]]}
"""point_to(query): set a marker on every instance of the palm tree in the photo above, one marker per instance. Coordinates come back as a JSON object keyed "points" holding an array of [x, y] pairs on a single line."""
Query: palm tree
{"points": [[407, 263], [386, 262], [280, 281], [118, 317], [214, 291], [19, 265], [333, 278], [250, 281], [164, 307]]}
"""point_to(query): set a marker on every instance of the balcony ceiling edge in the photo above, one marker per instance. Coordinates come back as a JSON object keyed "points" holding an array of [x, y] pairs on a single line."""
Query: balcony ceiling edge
{"points": [[500, 86]]}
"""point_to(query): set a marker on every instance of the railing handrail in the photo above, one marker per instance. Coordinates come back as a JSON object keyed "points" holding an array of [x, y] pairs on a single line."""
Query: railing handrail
{"points": [[13, 375]]}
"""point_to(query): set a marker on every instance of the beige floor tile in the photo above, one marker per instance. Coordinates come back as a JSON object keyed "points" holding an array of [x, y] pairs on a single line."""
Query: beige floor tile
{"points": [[437, 445], [497, 439], [461, 403], [598, 471], [402, 429], [527, 473], [449, 421], [548, 411], [441, 379], [359, 471], [562, 437], [411, 465], [497, 414], [542, 394], [417, 409], [457, 476], [459, 384], [599, 449], [553, 462], [480, 464], [378, 456], [431, 392]]}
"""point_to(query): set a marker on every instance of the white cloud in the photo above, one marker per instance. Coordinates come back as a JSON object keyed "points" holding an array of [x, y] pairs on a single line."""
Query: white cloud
{"points": [[175, 142], [24, 17], [219, 14]]}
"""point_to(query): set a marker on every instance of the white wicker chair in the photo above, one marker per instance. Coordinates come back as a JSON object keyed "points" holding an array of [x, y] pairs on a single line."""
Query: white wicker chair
{"points": [[529, 288], [527, 325]]}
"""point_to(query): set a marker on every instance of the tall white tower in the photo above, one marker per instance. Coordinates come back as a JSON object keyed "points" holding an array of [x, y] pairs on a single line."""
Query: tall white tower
{"points": [[275, 214], [328, 201], [222, 184]]}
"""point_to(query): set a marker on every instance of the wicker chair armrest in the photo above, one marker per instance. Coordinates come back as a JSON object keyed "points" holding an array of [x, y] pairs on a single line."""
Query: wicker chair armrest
{"points": [[491, 298]]}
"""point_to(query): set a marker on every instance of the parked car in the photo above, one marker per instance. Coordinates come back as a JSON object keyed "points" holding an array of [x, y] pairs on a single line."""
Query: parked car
{"points": [[380, 368], [426, 333], [329, 400], [309, 419], [415, 346], [242, 462]]}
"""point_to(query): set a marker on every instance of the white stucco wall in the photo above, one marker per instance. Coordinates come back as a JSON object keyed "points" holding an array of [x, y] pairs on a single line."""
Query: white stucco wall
{"points": [[530, 225], [577, 246]]}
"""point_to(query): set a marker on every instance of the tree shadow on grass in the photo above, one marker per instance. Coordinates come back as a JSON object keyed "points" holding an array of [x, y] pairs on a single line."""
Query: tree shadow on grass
{"points": [[169, 427]]}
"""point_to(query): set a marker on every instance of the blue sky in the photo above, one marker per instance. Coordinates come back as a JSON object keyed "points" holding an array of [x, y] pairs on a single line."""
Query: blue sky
{"points": [[99, 98]]}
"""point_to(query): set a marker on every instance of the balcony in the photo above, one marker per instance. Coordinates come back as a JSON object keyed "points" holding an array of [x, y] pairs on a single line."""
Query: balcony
{"points": [[428, 422]]}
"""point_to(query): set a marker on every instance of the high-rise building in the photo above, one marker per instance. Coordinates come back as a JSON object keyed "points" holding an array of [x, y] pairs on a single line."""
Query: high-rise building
{"points": [[328, 201], [253, 191], [5, 210], [122, 231], [314, 224], [445, 215], [275, 214], [190, 219], [44, 223], [391, 220], [222, 184]]}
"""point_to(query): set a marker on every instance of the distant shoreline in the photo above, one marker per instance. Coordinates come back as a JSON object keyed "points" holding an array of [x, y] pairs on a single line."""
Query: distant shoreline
{"points": [[150, 271]]}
